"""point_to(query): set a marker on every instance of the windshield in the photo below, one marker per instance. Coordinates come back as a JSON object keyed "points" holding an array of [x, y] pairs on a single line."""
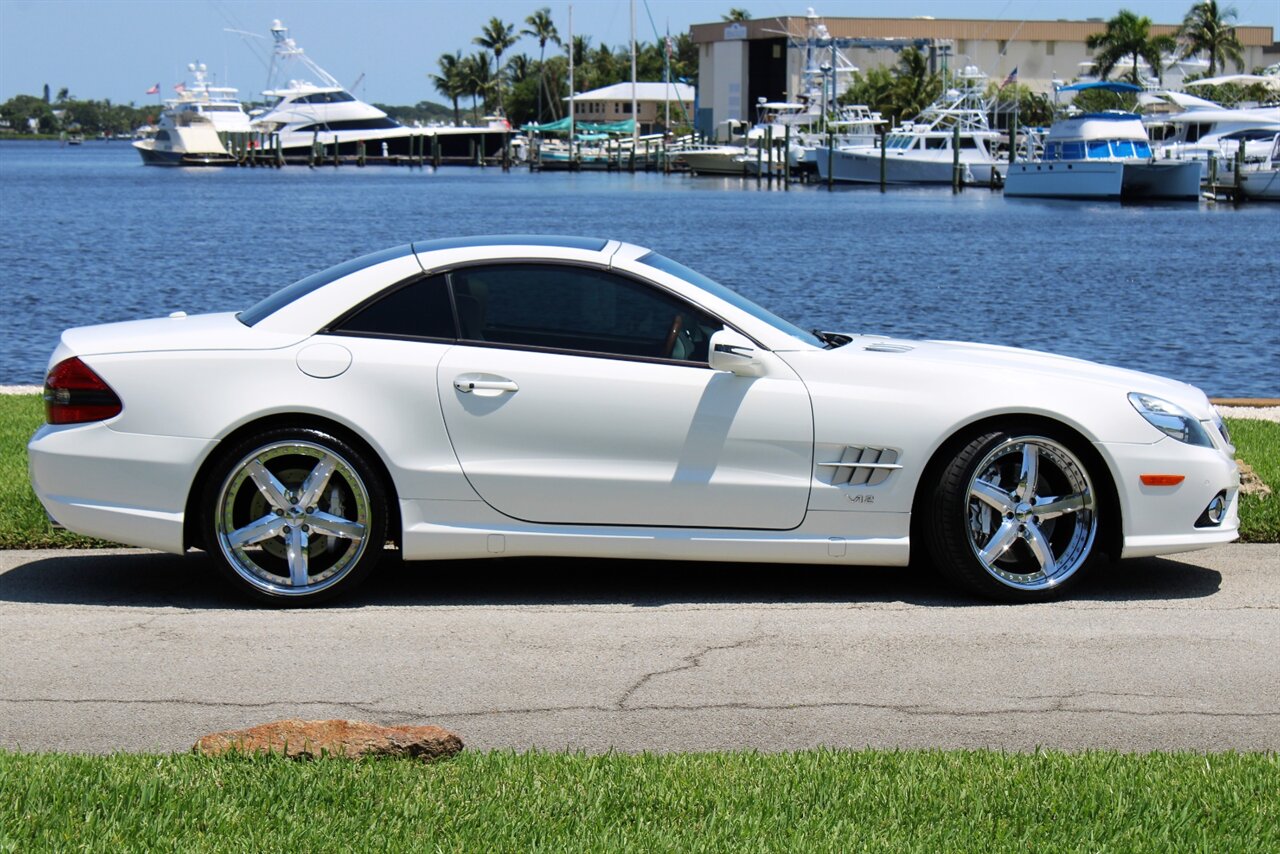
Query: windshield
{"points": [[680, 271]]}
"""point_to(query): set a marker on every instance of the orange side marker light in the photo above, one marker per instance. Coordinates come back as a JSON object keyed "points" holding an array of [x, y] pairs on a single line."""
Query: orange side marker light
{"points": [[1162, 479]]}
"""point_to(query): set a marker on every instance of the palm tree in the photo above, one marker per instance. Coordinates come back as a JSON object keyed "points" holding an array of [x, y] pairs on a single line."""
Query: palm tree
{"points": [[736, 15], [581, 47], [519, 68], [915, 87], [541, 28], [497, 36], [604, 67], [1205, 28], [478, 80], [451, 82], [1128, 36]]}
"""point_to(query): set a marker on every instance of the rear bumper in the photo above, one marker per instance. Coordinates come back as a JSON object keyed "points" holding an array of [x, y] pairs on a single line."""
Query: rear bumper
{"points": [[124, 487]]}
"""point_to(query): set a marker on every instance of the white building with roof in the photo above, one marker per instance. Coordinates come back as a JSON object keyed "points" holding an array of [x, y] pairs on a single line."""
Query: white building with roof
{"points": [[653, 102]]}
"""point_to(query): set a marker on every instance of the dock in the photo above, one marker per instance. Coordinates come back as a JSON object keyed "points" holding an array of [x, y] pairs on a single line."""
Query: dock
{"points": [[442, 146]]}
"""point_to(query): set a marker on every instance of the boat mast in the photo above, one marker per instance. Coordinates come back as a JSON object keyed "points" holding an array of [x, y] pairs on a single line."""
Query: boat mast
{"points": [[571, 83], [666, 75], [635, 119]]}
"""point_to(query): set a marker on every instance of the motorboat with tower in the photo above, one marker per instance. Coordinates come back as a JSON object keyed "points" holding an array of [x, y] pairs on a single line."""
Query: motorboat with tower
{"points": [[308, 107], [192, 127], [923, 151]]}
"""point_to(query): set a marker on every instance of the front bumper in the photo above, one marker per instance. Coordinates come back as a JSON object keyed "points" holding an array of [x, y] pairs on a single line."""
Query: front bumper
{"points": [[1162, 519]]}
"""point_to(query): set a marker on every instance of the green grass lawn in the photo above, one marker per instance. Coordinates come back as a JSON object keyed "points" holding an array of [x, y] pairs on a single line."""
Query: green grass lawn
{"points": [[1258, 444], [927, 801], [23, 523]]}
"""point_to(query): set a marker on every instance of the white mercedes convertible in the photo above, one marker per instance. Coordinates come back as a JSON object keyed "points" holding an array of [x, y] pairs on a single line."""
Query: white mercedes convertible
{"points": [[482, 397]]}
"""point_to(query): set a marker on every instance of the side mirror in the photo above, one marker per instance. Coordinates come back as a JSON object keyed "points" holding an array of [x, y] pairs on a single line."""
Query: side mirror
{"points": [[735, 353]]}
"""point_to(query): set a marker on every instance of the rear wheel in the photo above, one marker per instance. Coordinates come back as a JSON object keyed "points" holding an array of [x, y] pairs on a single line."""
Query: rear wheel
{"points": [[294, 516], [1015, 516]]}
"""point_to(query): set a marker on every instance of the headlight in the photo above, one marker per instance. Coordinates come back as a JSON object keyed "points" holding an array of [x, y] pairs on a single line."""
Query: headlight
{"points": [[1170, 419]]}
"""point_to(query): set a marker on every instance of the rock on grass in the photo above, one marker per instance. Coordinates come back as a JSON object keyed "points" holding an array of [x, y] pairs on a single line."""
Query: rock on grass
{"points": [[351, 739]]}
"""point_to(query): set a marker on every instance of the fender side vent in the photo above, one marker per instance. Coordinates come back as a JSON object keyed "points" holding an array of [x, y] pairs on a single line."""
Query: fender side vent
{"points": [[863, 466]]}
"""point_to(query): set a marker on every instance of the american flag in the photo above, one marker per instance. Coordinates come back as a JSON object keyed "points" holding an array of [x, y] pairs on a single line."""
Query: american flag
{"points": [[180, 87], [154, 90], [1012, 78]]}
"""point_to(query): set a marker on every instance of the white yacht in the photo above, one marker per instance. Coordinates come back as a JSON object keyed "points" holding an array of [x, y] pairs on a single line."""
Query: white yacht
{"points": [[190, 125], [1261, 179], [739, 158], [1102, 156], [920, 151], [1211, 134], [304, 111], [311, 107]]}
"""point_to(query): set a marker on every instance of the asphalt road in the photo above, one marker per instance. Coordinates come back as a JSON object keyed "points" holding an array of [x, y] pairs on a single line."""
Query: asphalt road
{"points": [[131, 650]]}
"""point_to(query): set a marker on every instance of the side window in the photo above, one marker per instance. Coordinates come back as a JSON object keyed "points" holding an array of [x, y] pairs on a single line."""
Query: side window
{"points": [[419, 309], [579, 309]]}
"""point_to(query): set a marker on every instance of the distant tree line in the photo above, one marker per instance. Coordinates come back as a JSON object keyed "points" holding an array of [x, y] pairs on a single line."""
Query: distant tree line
{"points": [[66, 113]]}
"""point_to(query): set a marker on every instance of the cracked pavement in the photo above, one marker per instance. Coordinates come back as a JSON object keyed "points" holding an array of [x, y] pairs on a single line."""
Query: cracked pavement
{"points": [[134, 650]]}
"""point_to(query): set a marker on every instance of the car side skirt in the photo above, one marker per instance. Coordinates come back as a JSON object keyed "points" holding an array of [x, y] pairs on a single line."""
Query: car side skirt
{"points": [[471, 529]]}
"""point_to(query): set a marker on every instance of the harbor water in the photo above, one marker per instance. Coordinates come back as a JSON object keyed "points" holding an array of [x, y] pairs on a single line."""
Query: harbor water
{"points": [[1190, 291]]}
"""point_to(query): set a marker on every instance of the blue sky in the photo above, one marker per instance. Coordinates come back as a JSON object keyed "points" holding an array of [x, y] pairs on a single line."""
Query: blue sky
{"points": [[118, 48]]}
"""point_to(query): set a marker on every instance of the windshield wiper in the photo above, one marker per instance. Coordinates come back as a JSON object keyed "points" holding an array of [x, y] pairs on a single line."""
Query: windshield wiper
{"points": [[832, 339]]}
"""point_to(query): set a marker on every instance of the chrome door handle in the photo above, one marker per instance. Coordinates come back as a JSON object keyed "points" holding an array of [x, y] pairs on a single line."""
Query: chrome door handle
{"points": [[467, 386]]}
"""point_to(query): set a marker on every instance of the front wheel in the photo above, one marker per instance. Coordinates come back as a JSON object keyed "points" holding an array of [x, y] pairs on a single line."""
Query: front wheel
{"points": [[294, 516], [1015, 516]]}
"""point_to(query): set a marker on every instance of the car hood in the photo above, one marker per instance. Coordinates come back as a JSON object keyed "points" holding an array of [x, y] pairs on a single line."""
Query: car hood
{"points": [[948, 360], [196, 332]]}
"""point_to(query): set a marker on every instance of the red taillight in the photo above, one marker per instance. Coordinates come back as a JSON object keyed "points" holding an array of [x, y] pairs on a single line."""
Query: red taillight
{"points": [[74, 394]]}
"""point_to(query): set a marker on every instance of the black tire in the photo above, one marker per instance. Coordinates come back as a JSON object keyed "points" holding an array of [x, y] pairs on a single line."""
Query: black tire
{"points": [[265, 538], [990, 535]]}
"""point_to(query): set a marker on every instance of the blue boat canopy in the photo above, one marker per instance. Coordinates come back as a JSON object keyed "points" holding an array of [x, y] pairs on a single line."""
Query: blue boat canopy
{"points": [[579, 126], [1108, 85]]}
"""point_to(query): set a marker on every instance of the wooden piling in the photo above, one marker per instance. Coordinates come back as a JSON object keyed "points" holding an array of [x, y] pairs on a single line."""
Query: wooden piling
{"points": [[884, 159], [786, 158], [1237, 194], [435, 151], [831, 159], [956, 179]]}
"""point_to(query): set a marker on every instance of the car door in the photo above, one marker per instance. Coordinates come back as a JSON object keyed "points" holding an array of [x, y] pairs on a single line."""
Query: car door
{"points": [[581, 396]]}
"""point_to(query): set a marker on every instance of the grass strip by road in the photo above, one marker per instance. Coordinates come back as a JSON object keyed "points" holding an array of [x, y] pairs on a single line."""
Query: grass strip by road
{"points": [[1258, 444], [23, 524], [816, 800]]}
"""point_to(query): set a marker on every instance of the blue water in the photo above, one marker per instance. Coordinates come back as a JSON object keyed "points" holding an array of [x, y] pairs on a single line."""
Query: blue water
{"points": [[1189, 291]]}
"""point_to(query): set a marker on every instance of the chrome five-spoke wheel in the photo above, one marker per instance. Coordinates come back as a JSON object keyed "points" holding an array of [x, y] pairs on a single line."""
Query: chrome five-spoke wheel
{"points": [[1015, 515], [1031, 519], [296, 515]]}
